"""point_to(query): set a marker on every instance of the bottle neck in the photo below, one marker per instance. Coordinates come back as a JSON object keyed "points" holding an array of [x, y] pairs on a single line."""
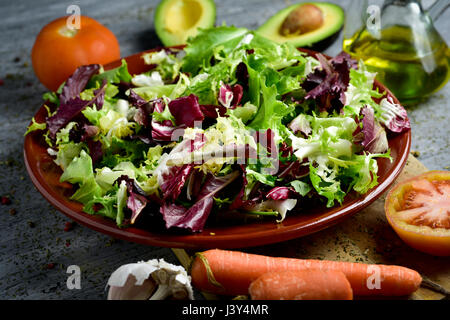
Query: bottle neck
{"points": [[437, 8], [401, 2]]}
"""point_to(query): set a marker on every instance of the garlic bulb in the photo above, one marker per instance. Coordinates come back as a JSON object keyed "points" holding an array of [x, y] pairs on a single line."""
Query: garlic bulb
{"points": [[154, 280]]}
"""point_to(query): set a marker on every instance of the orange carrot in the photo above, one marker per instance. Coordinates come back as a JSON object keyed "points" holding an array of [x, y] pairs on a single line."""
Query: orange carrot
{"points": [[231, 272], [301, 285]]}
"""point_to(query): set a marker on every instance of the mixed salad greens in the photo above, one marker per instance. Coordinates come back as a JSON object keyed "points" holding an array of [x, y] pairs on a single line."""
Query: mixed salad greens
{"points": [[232, 122]]}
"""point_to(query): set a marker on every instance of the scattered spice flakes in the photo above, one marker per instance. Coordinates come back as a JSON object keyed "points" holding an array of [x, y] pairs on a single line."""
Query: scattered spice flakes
{"points": [[110, 242], [17, 59], [68, 243], [11, 162], [415, 153], [12, 211], [5, 200], [31, 224], [68, 226], [50, 266]]}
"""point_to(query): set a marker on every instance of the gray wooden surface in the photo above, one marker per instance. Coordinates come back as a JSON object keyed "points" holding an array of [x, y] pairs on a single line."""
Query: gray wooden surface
{"points": [[32, 236]]}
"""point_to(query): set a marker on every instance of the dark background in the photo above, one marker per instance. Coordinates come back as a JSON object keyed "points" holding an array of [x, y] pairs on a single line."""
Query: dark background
{"points": [[35, 251]]}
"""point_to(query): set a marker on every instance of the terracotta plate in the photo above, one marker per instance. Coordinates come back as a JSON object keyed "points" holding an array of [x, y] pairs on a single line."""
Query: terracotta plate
{"points": [[45, 176]]}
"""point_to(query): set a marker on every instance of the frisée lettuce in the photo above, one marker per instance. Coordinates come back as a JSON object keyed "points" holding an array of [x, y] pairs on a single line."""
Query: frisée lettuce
{"points": [[232, 122]]}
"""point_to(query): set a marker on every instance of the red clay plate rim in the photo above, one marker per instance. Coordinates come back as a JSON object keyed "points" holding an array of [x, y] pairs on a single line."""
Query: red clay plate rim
{"points": [[253, 234]]}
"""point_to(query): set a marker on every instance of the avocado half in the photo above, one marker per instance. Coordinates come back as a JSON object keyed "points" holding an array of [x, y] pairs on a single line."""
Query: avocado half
{"points": [[319, 39], [176, 20]]}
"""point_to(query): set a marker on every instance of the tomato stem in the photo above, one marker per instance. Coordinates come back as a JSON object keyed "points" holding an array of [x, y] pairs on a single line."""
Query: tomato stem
{"points": [[68, 32]]}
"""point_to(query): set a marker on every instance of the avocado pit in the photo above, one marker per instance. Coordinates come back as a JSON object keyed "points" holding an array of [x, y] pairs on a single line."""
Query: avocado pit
{"points": [[303, 19]]}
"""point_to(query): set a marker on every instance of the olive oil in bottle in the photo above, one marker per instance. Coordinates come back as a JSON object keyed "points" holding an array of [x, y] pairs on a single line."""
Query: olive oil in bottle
{"points": [[411, 63]]}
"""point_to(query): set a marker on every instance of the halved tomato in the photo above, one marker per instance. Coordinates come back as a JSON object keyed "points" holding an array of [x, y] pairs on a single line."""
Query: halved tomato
{"points": [[419, 211]]}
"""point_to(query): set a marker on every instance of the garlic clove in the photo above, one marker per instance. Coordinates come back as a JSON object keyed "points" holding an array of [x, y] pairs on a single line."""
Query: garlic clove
{"points": [[154, 279], [131, 291], [131, 281]]}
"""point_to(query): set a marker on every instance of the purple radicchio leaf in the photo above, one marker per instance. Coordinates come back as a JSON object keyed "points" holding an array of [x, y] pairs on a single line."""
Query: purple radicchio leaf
{"points": [[136, 203], [69, 110], [194, 218], [375, 140], [162, 131], [253, 197], [291, 170], [144, 108], [99, 96], [230, 97], [212, 111], [281, 193], [238, 92], [95, 149], [242, 74], [186, 111], [90, 131], [175, 180], [394, 116], [76, 83], [194, 184], [137, 198], [327, 85]]}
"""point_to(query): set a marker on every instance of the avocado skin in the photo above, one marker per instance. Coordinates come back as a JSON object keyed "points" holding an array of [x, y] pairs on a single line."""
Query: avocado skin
{"points": [[319, 42], [208, 19]]}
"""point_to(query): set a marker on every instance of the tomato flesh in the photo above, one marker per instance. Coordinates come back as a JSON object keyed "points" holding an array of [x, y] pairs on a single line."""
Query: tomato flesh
{"points": [[419, 212], [427, 204]]}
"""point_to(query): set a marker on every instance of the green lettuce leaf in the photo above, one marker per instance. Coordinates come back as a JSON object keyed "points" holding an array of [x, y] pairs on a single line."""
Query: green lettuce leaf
{"points": [[87, 190], [66, 153], [105, 205], [360, 92], [168, 65], [115, 75], [79, 170], [35, 126], [119, 150], [121, 202], [301, 187], [200, 49], [271, 111]]}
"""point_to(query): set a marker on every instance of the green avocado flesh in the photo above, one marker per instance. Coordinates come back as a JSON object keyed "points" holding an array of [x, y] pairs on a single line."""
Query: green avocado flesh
{"points": [[176, 20], [333, 20]]}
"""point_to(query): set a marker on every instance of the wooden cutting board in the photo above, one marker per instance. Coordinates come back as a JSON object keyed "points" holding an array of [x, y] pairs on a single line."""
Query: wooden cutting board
{"points": [[366, 237]]}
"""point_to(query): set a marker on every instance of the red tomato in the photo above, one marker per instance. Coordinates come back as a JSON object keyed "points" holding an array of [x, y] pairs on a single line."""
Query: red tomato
{"points": [[59, 50], [419, 212]]}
